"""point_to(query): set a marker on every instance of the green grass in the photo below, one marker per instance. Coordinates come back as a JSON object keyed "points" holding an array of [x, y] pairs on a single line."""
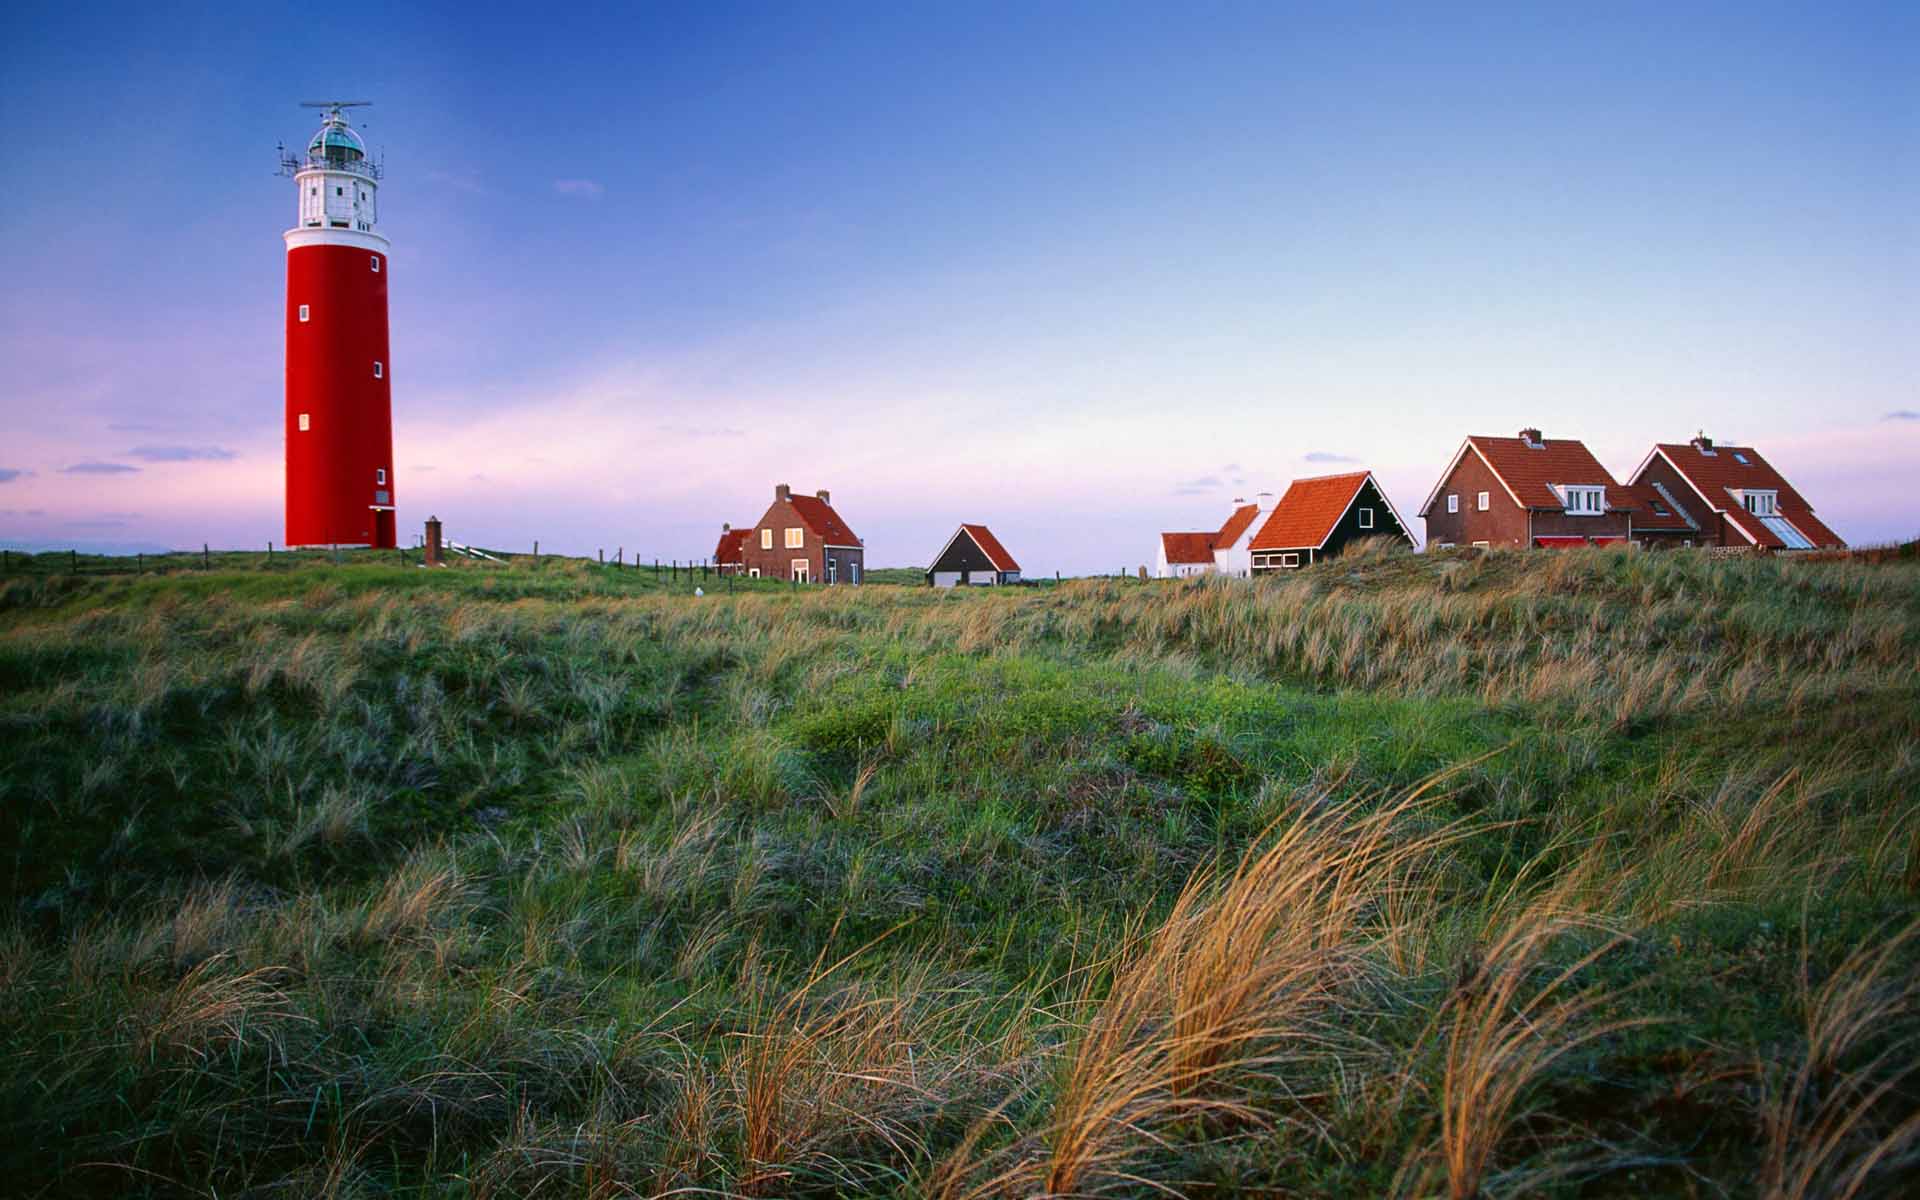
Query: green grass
{"points": [[555, 879]]}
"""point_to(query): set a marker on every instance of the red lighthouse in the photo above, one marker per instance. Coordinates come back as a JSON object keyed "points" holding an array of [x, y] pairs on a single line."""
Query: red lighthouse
{"points": [[339, 378]]}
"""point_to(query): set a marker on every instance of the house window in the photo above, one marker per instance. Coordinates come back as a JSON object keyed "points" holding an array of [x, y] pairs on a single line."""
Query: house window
{"points": [[303, 314], [798, 568], [853, 573], [1366, 518], [1480, 502], [379, 369], [380, 475], [375, 260], [303, 422], [796, 538], [1289, 560], [753, 572], [1760, 504], [1585, 501], [833, 570], [1453, 502], [1483, 545], [766, 539]]}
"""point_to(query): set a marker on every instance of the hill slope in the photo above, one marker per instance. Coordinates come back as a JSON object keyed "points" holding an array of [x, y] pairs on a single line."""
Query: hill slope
{"points": [[1580, 873]]}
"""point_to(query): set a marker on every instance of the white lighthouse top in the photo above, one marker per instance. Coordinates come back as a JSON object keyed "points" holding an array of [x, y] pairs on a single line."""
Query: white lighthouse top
{"points": [[338, 185]]}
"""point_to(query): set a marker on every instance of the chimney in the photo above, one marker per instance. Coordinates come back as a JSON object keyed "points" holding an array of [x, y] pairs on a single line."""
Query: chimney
{"points": [[1532, 438], [822, 493], [782, 493], [1702, 442], [1264, 500], [726, 527], [433, 542]]}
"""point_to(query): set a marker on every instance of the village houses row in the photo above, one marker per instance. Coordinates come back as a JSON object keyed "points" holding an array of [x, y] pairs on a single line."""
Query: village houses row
{"points": [[1526, 492]]}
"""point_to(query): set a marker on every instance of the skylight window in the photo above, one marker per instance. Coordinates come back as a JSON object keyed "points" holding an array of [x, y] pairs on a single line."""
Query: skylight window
{"points": [[1740, 458]]}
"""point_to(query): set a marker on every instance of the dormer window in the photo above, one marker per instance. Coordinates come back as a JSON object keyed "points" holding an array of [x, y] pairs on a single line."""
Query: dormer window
{"points": [[1761, 504], [1583, 500]]}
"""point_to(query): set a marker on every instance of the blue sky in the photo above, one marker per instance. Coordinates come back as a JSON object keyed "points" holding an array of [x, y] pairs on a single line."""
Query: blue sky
{"points": [[1081, 272]]}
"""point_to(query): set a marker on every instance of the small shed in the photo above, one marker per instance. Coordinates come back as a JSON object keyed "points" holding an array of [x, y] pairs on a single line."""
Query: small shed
{"points": [[973, 557]]}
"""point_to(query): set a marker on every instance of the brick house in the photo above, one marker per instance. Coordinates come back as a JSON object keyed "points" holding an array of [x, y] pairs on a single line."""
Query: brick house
{"points": [[1318, 518], [1526, 491], [1730, 496], [802, 538]]}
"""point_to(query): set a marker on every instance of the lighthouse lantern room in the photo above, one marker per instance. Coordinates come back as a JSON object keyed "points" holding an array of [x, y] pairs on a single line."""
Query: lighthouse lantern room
{"points": [[339, 418]]}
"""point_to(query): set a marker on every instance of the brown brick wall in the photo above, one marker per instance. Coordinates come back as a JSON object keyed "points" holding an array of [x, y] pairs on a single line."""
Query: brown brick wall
{"points": [[1503, 524]]}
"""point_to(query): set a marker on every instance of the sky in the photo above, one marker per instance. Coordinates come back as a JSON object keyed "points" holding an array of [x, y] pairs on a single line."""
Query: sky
{"points": [[1081, 272]]}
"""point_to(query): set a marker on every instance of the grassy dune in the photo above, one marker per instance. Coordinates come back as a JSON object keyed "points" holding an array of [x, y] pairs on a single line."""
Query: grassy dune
{"points": [[1583, 874]]}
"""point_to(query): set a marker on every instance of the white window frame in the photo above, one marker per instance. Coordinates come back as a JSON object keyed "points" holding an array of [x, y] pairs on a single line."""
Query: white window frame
{"points": [[1761, 503], [766, 538], [375, 260], [1453, 502], [380, 476], [379, 369], [853, 572], [833, 569], [1481, 503], [1584, 499], [753, 572], [306, 311], [1366, 518], [796, 537], [304, 422], [800, 570], [1290, 560], [1483, 545]]}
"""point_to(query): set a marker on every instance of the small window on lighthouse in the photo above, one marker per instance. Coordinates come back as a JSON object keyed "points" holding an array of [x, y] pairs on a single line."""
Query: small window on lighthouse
{"points": [[303, 312], [379, 369], [379, 474], [375, 260], [303, 422], [339, 191]]}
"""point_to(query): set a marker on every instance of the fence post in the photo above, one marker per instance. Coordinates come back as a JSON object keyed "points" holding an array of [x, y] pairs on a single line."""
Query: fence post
{"points": [[603, 556], [536, 549], [206, 556], [73, 561], [140, 563]]}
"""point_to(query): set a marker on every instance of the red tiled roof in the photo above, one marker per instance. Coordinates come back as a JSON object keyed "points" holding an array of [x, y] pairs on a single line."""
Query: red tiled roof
{"points": [[1236, 525], [1650, 509], [1188, 547], [1715, 475], [1529, 473], [1308, 512], [728, 551], [821, 518], [990, 545]]}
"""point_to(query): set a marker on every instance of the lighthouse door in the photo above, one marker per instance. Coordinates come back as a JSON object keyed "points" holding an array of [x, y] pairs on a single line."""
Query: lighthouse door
{"points": [[383, 529]]}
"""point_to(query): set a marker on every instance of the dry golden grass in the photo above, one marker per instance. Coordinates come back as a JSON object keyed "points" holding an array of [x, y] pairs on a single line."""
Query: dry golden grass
{"points": [[1827, 1133], [1511, 1017], [211, 1005]]}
